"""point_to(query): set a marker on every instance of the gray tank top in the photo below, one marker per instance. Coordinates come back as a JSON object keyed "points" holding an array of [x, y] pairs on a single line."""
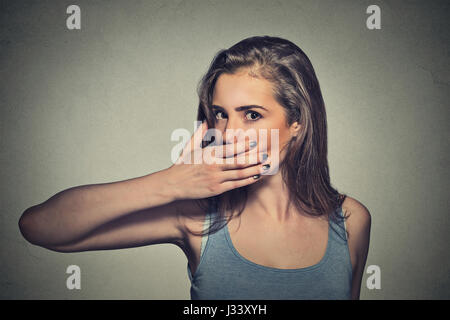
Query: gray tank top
{"points": [[223, 274]]}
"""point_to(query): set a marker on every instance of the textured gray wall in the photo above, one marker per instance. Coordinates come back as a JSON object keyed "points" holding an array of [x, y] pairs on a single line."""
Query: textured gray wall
{"points": [[98, 105]]}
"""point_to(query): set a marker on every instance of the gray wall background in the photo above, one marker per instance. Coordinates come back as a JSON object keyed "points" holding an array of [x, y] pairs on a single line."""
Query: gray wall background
{"points": [[99, 104]]}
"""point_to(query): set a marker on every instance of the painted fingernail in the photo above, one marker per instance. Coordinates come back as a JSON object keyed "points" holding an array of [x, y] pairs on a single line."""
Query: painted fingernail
{"points": [[264, 156], [256, 176], [252, 144], [266, 167]]}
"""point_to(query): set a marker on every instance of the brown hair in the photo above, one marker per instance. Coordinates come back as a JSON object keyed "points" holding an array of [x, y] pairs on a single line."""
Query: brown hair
{"points": [[295, 87]]}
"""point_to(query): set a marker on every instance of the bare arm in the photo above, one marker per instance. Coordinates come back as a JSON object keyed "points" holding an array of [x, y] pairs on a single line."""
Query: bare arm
{"points": [[358, 227], [134, 212], [74, 213]]}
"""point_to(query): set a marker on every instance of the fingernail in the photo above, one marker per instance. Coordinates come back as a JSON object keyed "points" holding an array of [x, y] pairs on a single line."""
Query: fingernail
{"points": [[264, 156], [252, 144], [266, 167], [256, 176]]}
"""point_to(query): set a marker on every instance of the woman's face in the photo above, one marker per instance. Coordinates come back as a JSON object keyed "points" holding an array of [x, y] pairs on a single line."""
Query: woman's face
{"points": [[243, 102]]}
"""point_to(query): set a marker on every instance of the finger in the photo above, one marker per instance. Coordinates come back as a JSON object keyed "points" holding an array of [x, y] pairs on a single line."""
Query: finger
{"points": [[234, 149], [233, 184], [196, 137], [239, 174], [245, 160]]}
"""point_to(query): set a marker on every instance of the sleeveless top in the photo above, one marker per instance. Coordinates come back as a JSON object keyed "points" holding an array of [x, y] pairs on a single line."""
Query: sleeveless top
{"points": [[223, 274]]}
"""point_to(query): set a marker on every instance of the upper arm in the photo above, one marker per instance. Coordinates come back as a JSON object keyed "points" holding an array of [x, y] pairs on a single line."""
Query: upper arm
{"points": [[358, 226], [162, 224]]}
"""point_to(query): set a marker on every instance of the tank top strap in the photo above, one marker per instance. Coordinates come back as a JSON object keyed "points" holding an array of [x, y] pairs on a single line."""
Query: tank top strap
{"points": [[206, 225], [209, 216], [338, 226]]}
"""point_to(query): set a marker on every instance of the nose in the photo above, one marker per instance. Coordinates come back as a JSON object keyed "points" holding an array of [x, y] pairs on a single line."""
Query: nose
{"points": [[233, 130]]}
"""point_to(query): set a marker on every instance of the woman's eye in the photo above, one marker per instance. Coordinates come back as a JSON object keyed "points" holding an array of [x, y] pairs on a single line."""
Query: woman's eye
{"points": [[220, 115], [252, 115]]}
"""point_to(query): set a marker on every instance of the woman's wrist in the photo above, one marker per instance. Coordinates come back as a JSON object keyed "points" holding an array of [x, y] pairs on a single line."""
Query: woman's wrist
{"points": [[161, 188]]}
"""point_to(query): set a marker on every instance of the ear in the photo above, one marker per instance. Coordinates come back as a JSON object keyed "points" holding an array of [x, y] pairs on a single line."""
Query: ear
{"points": [[294, 129]]}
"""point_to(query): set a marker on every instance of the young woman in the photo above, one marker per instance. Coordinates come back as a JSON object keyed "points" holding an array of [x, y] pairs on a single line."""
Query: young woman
{"points": [[246, 234]]}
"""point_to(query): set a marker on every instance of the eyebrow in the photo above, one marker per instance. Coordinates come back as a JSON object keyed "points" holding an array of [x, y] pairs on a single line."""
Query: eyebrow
{"points": [[242, 108]]}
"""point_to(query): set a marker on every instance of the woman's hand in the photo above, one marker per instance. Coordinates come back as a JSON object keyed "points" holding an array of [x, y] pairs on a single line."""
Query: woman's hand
{"points": [[205, 172]]}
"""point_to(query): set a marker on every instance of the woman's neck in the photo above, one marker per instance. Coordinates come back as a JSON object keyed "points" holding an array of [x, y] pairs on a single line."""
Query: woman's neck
{"points": [[269, 197]]}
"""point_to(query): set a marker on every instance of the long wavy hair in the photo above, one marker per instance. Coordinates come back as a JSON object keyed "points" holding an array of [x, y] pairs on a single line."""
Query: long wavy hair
{"points": [[304, 169]]}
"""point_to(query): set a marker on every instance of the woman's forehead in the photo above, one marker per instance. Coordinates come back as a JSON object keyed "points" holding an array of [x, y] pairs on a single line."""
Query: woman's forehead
{"points": [[232, 90]]}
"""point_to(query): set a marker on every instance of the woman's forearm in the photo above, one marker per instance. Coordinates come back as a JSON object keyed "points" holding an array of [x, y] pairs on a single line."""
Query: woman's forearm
{"points": [[73, 213]]}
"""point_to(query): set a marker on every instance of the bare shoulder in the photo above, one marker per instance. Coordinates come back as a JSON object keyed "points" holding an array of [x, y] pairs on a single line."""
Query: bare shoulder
{"points": [[358, 216], [358, 224]]}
